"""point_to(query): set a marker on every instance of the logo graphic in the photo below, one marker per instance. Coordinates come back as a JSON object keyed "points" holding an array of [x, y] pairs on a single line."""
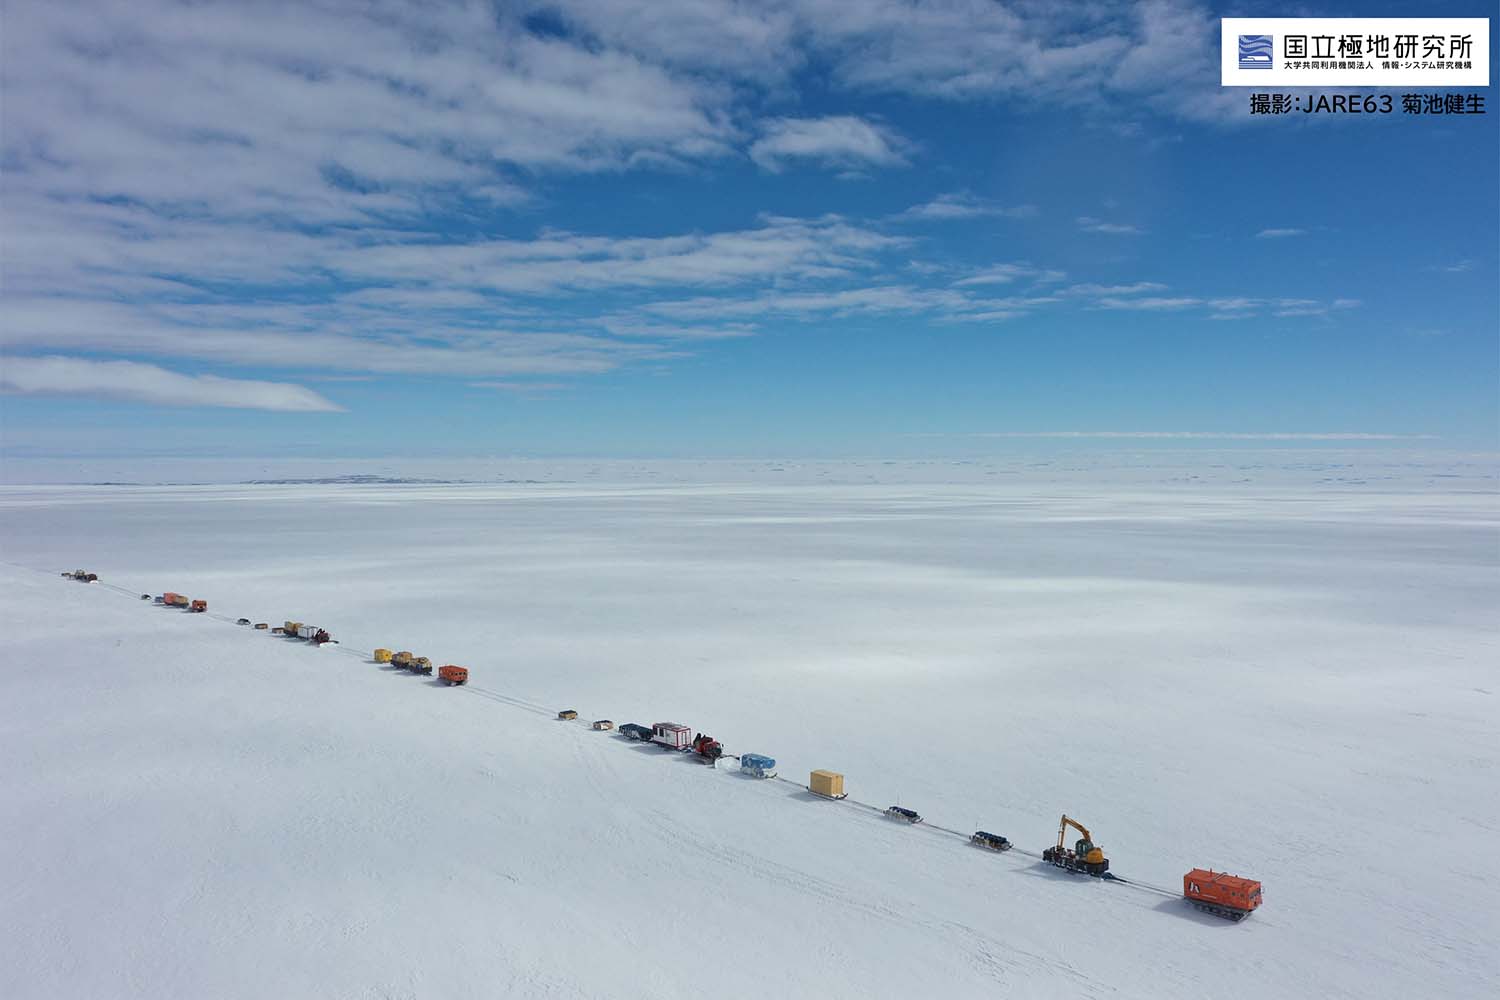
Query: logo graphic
{"points": [[1255, 52], [1406, 52]]}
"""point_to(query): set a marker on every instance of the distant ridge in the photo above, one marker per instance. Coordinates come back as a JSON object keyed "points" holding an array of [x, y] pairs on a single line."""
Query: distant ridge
{"points": [[358, 480]]}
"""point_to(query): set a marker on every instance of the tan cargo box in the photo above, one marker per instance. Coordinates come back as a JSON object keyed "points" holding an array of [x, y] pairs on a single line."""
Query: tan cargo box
{"points": [[829, 784]]}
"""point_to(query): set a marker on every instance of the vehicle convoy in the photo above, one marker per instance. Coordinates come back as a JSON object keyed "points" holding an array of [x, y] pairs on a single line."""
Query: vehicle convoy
{"points": [[1085, 857], [1218, 893], [1223, 895], [708, 749], [671, 736]]}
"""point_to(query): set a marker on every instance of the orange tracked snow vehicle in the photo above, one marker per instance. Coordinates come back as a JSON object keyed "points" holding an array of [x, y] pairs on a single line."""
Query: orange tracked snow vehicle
{"points": [[1223, 895]]}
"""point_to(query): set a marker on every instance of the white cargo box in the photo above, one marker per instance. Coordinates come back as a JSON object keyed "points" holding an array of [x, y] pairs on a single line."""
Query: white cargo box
{"points": [[308, 631], [670, 734]]}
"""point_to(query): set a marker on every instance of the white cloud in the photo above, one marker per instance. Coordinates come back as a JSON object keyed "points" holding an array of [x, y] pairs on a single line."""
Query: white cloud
{"points": [[1004, 274], [874, 300], [835, 141], [1154, 54], [1159, 55], [275, 185], [1225, 307], [962, 205], [946, 305], [987, 316], [1276, 234], [352, 112], [849, 301], [1235, 303], [1089, 224], [327, 112], [751, 39], [624, 326], [780, 248], [1308, 307], [94, 282], [1151, 303], [144, 383], [299, 338], [1134, 288]]}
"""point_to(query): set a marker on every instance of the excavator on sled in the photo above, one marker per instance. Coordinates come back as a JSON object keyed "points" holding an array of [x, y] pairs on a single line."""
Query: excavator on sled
{"points": [[1085, 857]]}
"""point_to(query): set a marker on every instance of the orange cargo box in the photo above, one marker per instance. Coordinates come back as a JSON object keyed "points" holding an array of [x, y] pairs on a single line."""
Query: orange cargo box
{"points": [[169, 597], [1221, 889], [453, 675]]}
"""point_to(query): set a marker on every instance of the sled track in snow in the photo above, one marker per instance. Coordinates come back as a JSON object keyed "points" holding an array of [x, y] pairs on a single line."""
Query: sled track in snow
{"points": [[523, 704]]}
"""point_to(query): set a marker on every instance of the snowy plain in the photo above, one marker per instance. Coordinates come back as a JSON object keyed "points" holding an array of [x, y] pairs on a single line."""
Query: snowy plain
{"points": [[1289, 676]]}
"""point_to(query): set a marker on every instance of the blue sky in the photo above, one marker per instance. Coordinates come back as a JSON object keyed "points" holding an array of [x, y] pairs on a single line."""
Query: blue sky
{"points": [[709, 228]]}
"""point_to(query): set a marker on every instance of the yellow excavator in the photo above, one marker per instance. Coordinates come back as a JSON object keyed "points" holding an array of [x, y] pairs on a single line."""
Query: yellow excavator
{"points": [[1086, 856]]}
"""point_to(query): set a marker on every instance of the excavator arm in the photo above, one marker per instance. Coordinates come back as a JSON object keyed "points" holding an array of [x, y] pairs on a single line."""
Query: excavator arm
{"points": [[1062, 830]]}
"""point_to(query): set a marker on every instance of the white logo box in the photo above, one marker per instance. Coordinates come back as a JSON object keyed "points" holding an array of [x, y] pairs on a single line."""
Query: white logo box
{"points": [[1422, 68]]}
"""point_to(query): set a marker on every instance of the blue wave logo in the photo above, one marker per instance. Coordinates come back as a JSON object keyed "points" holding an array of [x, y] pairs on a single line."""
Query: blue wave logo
{"points": [[1255, 52]]}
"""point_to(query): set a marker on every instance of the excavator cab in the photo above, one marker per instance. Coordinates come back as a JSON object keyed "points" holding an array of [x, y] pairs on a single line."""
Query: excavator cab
{"points": [[1088, 852]]}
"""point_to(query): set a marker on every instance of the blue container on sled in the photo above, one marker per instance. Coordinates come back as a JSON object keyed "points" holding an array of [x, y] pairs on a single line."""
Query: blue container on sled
{"points": [[758, 765]]}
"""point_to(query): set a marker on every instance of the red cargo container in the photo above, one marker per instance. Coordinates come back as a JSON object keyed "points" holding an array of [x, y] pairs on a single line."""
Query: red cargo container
{"points": [[1218, 893], [453, 675], [174, 600]]}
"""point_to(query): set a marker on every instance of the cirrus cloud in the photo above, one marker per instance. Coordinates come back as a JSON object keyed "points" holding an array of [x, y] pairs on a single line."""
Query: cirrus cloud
{"points": [[842, 141], [143, 383]]}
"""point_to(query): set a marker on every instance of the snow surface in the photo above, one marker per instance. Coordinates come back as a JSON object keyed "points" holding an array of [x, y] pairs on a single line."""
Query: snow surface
{"points": [[1293, 683]]}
